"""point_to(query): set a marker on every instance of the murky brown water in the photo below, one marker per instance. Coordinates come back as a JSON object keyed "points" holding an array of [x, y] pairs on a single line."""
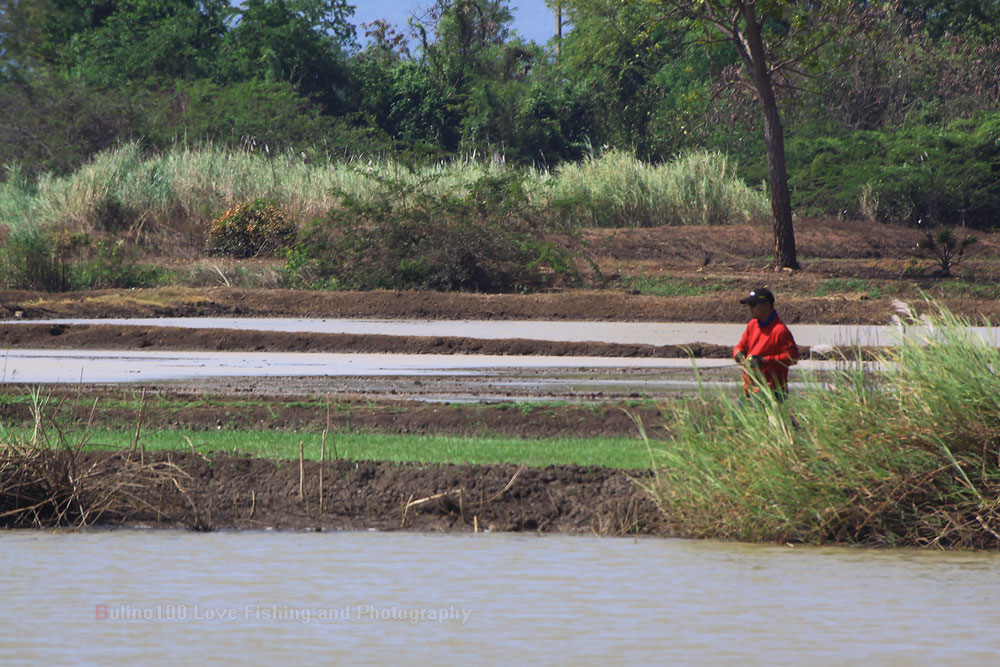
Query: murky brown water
{"points": [[264, 597]]}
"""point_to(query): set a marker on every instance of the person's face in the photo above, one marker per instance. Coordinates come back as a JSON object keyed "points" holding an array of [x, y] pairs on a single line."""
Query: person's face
{"points": [[760, 310]]}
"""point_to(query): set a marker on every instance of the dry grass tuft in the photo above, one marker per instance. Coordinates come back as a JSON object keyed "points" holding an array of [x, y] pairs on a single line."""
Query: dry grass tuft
{"points": [[46, 481]]}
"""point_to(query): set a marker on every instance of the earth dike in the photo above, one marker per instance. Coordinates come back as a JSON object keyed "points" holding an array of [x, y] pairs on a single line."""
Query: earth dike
{"points": [[62, 487]]}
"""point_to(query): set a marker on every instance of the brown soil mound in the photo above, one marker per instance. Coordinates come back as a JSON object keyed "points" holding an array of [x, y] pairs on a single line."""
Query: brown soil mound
{"points": [[114, 337], [574, 305], [223, 492], [569, 305]]}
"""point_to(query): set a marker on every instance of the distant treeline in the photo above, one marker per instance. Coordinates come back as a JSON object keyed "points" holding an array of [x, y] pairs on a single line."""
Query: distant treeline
{"points": [[896, 117]]}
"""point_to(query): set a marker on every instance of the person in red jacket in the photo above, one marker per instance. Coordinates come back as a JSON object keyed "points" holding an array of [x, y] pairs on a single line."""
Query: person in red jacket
{"points": [[766, 347]]}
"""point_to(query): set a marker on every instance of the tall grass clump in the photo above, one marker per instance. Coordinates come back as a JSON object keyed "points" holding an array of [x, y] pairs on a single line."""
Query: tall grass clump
{"points": [[31, 260], [199, 183], [48, 479], [619, 190], [57, 261], [126, 189], [18, 198], [907, 456]]}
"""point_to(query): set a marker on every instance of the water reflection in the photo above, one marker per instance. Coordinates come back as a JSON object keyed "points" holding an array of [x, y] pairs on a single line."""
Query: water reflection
{"points": [[266, 597]]}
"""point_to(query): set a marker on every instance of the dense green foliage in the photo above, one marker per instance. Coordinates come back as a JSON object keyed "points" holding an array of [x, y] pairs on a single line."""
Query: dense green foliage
{"points": [[411, 234], [937, 175], [251, 229], [894, 113], [54, 262]]}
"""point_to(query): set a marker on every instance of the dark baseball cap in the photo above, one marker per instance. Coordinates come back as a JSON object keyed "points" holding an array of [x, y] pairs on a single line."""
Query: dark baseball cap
{"points": [[757, 295]]}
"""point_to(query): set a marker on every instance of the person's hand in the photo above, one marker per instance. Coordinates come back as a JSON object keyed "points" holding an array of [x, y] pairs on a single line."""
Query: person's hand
{"points": [[740, 358], [755, 361]]}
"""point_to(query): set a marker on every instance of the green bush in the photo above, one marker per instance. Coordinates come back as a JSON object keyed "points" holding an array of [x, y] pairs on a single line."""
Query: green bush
{"points": [[251, 229], [31, 261], [110, 215], [62, 261], [113, 267], [945, 248], [916, 174], [306, 267], [411, 234]]}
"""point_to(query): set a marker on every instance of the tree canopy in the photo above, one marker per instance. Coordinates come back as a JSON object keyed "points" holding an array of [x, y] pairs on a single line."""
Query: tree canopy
{"points": [[654, 77]]}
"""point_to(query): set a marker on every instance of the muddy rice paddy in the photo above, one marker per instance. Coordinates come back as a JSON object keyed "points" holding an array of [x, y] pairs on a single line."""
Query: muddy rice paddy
{"points": [[852, 274]]}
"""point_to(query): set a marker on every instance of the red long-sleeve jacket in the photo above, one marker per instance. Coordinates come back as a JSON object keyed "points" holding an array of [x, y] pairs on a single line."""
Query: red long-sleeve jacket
{"points": [[774, 343]]}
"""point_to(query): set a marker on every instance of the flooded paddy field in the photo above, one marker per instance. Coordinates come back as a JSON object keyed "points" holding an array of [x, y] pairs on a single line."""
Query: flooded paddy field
{"points": [[460, 377], [516, 360], [643, 333], [227, 383]]}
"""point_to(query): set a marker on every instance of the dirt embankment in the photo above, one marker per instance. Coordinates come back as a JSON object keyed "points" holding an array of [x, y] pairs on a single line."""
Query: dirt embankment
{"points": [[581, 305], [226, 492], [130, 337], [104, 408], [571, 305]]}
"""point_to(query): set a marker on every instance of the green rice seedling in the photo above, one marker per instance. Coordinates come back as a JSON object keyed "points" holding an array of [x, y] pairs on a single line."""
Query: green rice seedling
{"points": [[673, 287], [625, 453], [842, 285]]}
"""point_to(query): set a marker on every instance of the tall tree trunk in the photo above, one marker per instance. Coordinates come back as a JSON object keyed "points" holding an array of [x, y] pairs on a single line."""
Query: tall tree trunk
{"points": [[558, 28], [774, 140]]}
